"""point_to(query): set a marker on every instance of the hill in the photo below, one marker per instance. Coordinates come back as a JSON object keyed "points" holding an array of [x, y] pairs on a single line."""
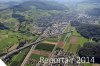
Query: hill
{"points": [[30, 12]]}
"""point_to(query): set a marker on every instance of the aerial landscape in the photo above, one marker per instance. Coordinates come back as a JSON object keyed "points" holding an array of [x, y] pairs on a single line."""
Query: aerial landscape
{"points": [[50, 32]]}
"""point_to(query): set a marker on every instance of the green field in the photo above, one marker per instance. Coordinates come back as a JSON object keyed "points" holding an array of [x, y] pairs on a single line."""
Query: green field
{"points": [[88, 64], [66, 41], [9, 38], [2, 37], [73, 48], [53, 39], [46, 47], [62, 37], [17, 59], [27, 65], [66, 47], [74, 32], [37, 57], [8, 42], [80, 39]]}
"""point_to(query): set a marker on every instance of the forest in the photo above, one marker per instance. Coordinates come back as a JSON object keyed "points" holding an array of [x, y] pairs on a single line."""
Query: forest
{"points": [[90, 31], [90, 49]]}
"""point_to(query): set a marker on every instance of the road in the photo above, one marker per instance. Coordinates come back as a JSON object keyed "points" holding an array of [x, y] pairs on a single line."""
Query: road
{"points": [[28, 55], [40, 39], [30, 52], [65, 30], [49, 32]]}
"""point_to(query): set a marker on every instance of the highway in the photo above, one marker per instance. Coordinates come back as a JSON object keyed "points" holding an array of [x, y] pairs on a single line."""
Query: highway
{"points": [[48, 32], [40, 39], [17, 50]]}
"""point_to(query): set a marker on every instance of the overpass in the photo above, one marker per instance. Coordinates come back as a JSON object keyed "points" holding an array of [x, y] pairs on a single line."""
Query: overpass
{"points": [[40, 39], [44, 36]]}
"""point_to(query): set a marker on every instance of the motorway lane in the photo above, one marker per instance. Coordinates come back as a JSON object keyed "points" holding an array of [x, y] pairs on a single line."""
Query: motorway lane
{"points": [[44, 36], [27, 45]]}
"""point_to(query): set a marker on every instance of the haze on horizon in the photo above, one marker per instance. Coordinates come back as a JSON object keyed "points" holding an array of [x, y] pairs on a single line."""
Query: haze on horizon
{"points": [[49, 0]]}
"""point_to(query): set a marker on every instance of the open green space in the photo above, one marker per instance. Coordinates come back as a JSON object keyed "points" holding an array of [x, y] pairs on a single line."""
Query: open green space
{"points": [[87, 64], [17, 59], [2, 37], [8, 42], [62, 37], [37, 57], [66, 41], [74, 32], [10, 38], [66, 47], [27, 65], [80, 39], [67, 44], [74, 48], [79, 42], [53, 39], [46, 47]]}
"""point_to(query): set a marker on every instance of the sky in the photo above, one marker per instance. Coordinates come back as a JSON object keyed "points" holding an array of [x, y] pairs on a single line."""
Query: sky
{"points": [[9, 0], [56, 0]]}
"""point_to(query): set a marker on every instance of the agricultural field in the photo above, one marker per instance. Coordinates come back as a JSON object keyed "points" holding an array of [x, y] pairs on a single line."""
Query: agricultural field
{"points": [[74, 41], [62, 37], [37, 57], [53, 39], [10, 38], [74, 48], [9, 41], [18, 59], [26, 25], [80, 39], [45, 47], [41, 52]]}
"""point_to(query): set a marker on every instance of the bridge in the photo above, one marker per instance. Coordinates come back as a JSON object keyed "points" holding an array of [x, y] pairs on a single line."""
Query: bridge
{"points": [[46, 34], [40, 39]]}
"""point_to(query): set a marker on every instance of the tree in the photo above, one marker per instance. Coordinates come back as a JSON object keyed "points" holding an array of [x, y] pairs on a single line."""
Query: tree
{"points": [[90, 49]]}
